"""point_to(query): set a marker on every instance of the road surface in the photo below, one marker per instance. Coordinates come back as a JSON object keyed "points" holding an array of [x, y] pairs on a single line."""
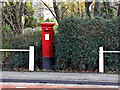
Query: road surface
{"points": [[56, 86]]}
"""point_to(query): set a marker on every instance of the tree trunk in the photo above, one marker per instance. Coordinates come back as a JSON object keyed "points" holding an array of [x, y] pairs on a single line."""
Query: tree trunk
{"points": [[57, 12], [118, 14], [87, 4], [96, 9], [22, 16], [106, 5], [78, 9], [0, 34]]}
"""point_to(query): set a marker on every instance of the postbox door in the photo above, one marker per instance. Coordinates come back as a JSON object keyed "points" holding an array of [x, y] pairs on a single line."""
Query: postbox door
{"points": [[47, 43]]}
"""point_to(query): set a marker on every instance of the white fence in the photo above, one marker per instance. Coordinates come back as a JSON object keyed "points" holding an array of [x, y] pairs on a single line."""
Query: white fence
{"points": [[101, 58], [31, 55]]}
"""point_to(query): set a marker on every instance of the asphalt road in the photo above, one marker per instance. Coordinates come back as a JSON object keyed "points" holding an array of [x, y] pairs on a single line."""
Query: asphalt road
{"points": [[59, 81], [55, 86], [61, 78]]}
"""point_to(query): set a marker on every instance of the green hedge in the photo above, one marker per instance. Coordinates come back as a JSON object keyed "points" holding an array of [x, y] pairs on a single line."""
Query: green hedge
{"points": [[21, 59], [78, 42]]}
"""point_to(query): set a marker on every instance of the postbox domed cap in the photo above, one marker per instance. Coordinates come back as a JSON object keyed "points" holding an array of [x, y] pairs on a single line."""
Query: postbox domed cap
{"points": [[47, 24]]}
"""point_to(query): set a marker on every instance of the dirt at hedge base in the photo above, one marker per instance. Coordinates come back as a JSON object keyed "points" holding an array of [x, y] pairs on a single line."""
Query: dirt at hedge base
{"points": [[62, 71]]}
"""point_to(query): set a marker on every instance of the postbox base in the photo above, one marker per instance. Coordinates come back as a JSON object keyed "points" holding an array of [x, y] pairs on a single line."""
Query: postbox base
{"points": [[46, 63]]}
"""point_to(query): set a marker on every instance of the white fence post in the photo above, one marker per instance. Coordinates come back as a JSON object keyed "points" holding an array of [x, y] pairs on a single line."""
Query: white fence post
{"points": [[31, 55], [101, 60], [31, 58]]}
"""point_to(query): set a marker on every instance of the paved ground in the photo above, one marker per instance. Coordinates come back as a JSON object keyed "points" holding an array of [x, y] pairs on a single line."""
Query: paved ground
{"points": [[60, 76], [71, 80]]}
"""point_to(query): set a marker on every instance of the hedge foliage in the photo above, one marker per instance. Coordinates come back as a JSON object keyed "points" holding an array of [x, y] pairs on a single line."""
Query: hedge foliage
{"points": [[78, 42], [21, 59]]}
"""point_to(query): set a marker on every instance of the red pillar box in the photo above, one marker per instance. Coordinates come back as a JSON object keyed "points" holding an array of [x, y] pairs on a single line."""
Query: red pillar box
{"points": [[47, 44]]}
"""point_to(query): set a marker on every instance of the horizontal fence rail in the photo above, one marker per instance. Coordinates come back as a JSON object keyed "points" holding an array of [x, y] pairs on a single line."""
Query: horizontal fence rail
{"points": [[101, 58], [14, 50], [31, 55], [111, 51]]}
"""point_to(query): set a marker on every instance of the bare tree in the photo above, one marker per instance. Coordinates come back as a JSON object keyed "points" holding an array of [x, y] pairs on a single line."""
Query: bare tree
{"points": [[57, 11], [13, 14]]}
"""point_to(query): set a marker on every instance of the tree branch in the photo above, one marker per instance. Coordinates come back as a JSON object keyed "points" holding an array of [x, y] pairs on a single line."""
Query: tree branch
{"points": [[57, 12], [64, 11], [48, 8]]}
